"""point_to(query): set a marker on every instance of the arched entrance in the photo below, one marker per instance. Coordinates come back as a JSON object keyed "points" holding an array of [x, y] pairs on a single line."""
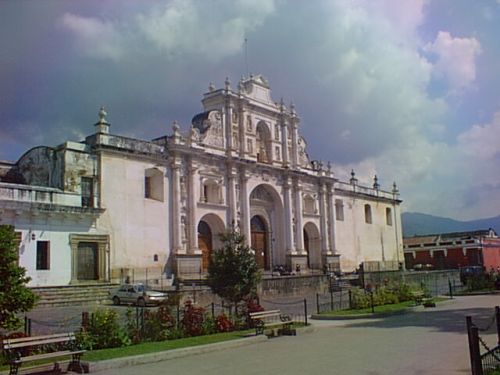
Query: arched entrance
{"points": [[209, 228], [205, 243], [312, 245], [260, 241]]}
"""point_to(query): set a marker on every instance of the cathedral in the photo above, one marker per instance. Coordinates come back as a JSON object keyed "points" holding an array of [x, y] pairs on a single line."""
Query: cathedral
{"points": [[111, 207]]}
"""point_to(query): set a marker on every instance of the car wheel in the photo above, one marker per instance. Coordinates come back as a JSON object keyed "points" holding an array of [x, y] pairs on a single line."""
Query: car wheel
{"points": [[141, 302], [116, 300]]}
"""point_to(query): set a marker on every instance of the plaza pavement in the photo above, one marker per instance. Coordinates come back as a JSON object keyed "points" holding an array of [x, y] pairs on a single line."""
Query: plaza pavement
{"points": [[422, 342]]}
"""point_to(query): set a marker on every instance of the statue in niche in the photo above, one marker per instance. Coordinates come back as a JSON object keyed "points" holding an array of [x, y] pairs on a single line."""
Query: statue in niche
{"points": [[249, 123], [235, 117]]}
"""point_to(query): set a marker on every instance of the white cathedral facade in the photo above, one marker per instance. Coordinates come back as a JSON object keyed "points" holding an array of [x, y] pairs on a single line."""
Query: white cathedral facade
{"points": [[111, 207]]}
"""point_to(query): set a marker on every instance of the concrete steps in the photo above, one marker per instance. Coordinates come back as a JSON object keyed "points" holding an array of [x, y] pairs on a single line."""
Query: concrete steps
{"points": [[73, 295]]}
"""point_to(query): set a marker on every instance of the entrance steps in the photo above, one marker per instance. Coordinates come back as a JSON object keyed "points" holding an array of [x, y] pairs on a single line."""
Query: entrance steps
{"points": [[73, 295]]}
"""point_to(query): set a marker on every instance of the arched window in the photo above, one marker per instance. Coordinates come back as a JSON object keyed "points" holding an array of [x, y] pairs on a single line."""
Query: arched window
{"points": [[339, 209], [368, 214], [153, 184], [388, 216]]}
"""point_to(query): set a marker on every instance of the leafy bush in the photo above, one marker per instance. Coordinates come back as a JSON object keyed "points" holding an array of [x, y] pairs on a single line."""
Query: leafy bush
{"points": [[103, 331], [157, 324], [224, 324], [192, 320]]}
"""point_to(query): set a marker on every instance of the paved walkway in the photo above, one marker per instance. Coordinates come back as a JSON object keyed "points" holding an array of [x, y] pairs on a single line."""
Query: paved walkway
{"points": [[424, 342]]}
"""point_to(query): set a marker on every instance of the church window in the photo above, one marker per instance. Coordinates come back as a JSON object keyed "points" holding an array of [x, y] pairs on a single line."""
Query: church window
{"points": [[263, 143], [153, 184], [388, 216], [42, 255], [87, 184], [368, 214], [339, 209]]}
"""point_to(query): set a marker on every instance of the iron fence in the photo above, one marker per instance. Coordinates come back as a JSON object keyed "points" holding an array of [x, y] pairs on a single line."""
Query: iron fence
{"points": [[487, 362]]}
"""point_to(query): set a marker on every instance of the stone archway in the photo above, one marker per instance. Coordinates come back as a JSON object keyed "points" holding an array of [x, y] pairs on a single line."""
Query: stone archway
{"points": [[312, 245], [209, 227], [266, 226]]}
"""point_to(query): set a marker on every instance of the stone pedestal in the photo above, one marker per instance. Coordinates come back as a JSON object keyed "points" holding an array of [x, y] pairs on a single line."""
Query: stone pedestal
{"points": [[332, 262], [188, 266], [294, 260]]}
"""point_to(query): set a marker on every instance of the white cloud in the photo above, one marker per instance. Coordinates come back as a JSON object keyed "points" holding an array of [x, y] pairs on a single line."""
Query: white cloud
{"points": [[97, 38], [456, 59], [212, 30], [481, 141]]}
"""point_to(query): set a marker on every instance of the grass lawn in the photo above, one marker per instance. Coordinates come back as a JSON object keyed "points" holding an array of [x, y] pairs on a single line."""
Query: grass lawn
{"points": [[159, 346], [378, 309], [148, 347]]}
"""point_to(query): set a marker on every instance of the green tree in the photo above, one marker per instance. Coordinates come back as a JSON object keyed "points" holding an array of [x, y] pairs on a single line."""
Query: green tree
{"points": [[15, 297], [233, 273]]}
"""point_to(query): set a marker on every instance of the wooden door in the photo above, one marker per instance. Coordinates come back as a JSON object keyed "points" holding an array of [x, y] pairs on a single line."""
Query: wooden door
{"points": [[205, 243], [87, 261], [259, 242]]}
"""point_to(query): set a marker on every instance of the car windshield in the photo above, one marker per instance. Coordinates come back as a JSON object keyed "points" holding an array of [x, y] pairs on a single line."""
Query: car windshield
{"points": [[141, 288]]}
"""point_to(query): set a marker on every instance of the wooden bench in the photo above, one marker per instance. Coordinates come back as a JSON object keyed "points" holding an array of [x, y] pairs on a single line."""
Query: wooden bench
{"points": [[268, 320], [29, 349]]}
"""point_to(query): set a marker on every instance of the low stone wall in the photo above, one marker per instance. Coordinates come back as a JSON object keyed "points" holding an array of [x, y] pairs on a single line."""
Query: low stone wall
{"points": [[294, 286], [437, 282]]}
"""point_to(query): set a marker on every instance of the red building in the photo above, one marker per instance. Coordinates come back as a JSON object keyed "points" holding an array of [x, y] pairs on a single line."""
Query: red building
{"points": [[453, 250]]}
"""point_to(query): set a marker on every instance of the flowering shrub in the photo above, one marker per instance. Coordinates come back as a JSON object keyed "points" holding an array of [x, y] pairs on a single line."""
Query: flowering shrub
{"points": [[224, 324], [157, 324], [103, 331], [192, 320]]}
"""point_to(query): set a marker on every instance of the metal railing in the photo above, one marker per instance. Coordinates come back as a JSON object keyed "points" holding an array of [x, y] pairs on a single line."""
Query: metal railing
{"points": [[489, 361]]}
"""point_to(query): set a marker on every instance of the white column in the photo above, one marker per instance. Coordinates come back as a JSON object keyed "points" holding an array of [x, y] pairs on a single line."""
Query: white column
{"points": [[323, 218], [176, 208], [231, 196], [242, 129], [299, 225], [229, 129], [245, 208], [288, 217], [192, 227], [295, 139], [284, 143], [331, 219]]}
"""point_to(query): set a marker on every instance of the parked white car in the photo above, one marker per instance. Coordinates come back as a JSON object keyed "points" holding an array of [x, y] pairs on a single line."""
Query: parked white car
{"points": [[137, 294]]}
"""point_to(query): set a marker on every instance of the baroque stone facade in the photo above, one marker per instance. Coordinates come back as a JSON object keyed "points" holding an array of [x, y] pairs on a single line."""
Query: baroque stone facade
{"points": [[112, 207]]}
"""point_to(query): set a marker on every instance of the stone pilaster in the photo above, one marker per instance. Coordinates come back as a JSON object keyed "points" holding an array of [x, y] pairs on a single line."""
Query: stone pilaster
{"points": [[299, 223], [245, 207], [288, 217], [192, 225], [176, 208], [331, 220], [323, 220]]}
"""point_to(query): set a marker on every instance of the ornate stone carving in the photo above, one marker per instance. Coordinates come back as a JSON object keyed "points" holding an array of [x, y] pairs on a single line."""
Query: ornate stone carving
{"points": [[214, 135]]}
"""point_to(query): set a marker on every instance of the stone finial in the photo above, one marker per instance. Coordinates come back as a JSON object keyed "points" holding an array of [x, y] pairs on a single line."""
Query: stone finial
{"points": [[353, 180], [282, 105], [292, 108], [102, 126], [376, 185], [395, 189], [329, 167], [211, 87], [227, 84]]}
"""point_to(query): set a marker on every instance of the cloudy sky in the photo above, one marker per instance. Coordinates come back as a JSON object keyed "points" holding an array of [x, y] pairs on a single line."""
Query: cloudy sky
{"points": [[405, 89]]}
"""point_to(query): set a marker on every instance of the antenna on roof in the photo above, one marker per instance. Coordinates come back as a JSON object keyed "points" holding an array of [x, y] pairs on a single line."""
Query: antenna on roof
{"points": [[246, 56]]}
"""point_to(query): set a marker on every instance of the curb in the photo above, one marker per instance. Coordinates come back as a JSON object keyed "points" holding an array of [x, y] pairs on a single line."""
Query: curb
{"points": [[362, 316], [171, 354]]}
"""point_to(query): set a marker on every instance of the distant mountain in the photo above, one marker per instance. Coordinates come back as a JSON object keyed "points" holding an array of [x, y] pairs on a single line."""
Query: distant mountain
{"points": [[415, 223]]}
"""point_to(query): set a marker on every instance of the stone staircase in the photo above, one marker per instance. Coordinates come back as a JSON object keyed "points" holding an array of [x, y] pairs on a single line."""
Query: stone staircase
{"points": [[73, 295]]}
